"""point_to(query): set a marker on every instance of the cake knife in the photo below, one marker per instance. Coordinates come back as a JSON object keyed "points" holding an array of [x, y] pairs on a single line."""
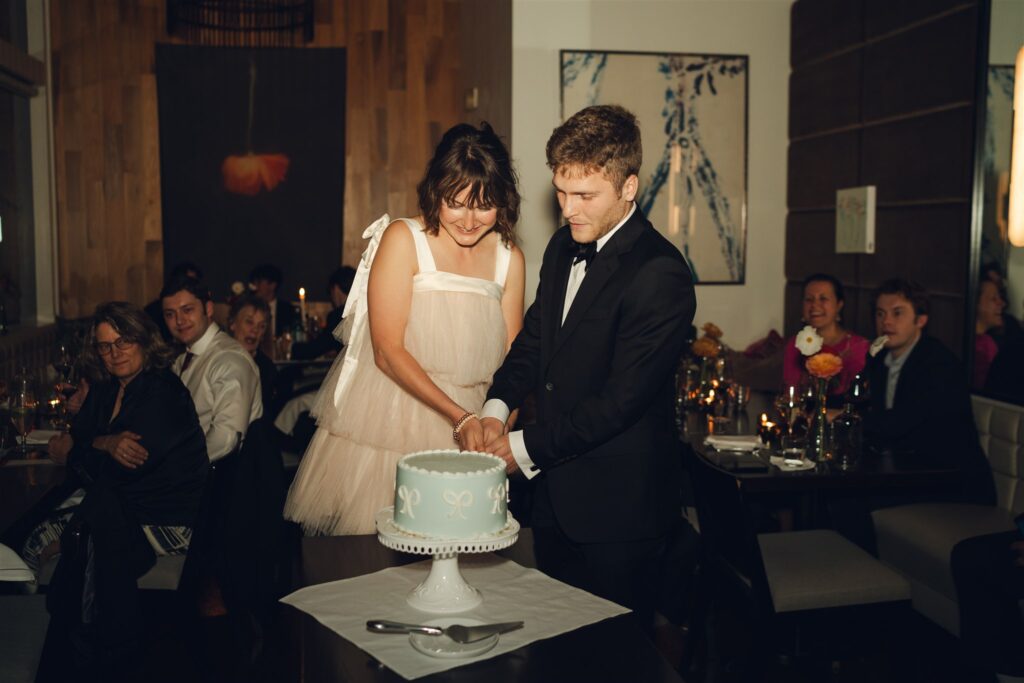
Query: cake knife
{"points": [[457, 632]]}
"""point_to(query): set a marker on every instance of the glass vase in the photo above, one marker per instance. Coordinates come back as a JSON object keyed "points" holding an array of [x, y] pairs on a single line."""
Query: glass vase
{"points": [[817, 448]]}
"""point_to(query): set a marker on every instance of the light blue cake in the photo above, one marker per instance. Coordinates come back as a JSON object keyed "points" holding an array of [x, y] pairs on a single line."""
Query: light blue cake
{"points": [[450, 494]]}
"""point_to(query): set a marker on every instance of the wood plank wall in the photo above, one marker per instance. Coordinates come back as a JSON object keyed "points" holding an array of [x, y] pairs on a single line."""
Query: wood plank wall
{"points": [[402, 93], [883, 93]]}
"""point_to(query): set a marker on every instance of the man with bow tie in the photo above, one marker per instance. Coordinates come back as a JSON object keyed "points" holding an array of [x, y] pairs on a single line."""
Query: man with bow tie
{"points": [[598, 349]]}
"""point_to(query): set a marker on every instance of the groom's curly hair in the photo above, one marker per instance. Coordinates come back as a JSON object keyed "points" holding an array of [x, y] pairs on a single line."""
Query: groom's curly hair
{"points": [[603, 137]]}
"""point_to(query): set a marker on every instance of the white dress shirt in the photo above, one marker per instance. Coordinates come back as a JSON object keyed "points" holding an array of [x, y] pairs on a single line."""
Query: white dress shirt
{"points": [[895, 365], [225, 387], [497, 408]]}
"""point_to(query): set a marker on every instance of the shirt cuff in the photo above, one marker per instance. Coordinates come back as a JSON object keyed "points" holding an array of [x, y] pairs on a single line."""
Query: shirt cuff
{"points": [[518, 446], [496, 408]]}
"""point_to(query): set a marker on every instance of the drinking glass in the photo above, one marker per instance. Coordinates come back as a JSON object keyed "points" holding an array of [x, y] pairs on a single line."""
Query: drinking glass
{"points": [[790, 407], [64, 364], [23, 409], [859, 393]]}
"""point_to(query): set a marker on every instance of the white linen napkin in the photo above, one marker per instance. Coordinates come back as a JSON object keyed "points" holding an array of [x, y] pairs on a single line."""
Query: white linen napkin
{"points": [[41, 437], [734, 443], [510, 591], [12, 567]]}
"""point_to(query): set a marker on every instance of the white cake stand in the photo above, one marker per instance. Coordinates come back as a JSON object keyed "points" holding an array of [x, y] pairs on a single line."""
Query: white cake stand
{"points": [[444, 591]]}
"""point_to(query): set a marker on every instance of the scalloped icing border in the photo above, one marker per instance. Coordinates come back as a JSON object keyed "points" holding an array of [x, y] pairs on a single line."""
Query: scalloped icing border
{"points": [[499, 464]]}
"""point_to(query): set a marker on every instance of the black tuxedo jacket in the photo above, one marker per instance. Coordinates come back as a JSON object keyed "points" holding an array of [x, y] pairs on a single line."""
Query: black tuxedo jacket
{"points": [[931, 415], [604, 383]]}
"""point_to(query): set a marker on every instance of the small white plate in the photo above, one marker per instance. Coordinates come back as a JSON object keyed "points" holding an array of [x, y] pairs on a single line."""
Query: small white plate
{"points": [[444, 647], [789, 465]]}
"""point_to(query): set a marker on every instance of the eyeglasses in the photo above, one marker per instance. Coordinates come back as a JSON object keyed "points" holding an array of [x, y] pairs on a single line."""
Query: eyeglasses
{"points": [[104, 348]]}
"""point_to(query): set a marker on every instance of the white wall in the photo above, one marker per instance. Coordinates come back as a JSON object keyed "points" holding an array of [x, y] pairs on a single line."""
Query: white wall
{"points": [[758, 28]]}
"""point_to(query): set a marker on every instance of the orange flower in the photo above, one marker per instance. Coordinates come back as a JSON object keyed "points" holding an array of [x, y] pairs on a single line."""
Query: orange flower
{"points": [[705, 347], [824, 365], [712, 330]]}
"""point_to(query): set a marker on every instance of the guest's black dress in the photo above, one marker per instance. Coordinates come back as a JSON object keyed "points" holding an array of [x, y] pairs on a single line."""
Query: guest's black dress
{"points": [[95, 585]]}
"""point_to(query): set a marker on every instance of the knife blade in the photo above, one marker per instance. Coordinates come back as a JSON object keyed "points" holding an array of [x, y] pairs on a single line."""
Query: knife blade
{"points": [[460, 633]]}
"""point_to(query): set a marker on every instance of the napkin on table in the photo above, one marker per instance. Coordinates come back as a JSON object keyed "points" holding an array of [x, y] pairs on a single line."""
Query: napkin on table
{"points": [[734, 443]]}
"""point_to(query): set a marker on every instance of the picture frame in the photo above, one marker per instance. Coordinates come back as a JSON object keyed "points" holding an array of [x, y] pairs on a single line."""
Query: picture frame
{"points": [[692, 111]]}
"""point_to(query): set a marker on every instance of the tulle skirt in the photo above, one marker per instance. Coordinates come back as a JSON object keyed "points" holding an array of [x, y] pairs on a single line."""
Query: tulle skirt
{"points": [[348, 471]]}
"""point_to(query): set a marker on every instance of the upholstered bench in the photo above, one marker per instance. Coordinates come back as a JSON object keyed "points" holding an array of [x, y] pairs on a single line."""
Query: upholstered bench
{"points": [[916, 540], [819, 569]]}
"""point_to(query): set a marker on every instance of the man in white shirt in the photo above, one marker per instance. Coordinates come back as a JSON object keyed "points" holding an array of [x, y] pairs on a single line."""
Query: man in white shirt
{"points": [[219, 373]]}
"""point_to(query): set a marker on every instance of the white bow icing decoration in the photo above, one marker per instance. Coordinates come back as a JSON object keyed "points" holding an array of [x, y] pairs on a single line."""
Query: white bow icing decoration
{"points": [[497, 496], [458, 501], [409, 497]]}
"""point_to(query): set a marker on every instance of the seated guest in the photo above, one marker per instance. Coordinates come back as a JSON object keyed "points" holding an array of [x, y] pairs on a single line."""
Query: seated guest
{"points": [[1009, 332], [337, 289], [247, 322], [155, 310], [919, 397], [988, 572], [822, 310], [139, 453], [265, 280], [221, 375], [989, 317]]}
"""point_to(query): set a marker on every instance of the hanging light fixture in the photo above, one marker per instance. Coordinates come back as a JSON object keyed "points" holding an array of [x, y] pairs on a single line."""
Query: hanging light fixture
{"points": [[241, 23], [1016, 213]]}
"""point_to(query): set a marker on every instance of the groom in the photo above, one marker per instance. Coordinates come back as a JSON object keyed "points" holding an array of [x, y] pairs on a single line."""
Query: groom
{"points": [[598, 349]]}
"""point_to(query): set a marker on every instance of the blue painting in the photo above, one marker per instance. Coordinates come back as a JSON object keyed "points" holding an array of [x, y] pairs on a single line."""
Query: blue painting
{"points": [[692, 111]]}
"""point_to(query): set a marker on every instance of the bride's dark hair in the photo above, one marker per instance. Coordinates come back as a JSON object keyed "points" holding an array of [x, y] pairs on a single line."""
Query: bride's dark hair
{"points": [[475, 158]]}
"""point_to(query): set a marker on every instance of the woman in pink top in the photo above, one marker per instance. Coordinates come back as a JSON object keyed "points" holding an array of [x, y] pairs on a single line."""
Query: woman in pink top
{"points": [[822, 308]]}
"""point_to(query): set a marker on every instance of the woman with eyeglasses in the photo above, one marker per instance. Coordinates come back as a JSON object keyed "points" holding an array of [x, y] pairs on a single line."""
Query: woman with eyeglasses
{"points": [[140, 456]]}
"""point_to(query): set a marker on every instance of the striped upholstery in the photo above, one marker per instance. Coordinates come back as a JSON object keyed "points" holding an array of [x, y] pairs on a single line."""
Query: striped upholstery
{"points": [[1001, 431]]}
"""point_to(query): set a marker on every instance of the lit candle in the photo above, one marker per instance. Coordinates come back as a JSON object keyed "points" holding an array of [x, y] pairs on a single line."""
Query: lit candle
{"points": [[302, 305]]}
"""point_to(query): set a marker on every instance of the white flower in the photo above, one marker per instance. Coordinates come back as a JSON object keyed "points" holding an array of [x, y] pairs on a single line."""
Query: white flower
{"points": [[809, 341], [237, 288], [878, 345]]}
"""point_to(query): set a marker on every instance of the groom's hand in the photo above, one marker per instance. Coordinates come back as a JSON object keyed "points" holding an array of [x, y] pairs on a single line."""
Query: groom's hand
{"points": [[493, 429], [501, 448]]}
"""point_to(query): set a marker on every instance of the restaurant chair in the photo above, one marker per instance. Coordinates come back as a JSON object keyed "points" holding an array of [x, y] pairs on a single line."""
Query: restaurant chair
{"points": [[917, 539], [812, 591], [23, 621]]}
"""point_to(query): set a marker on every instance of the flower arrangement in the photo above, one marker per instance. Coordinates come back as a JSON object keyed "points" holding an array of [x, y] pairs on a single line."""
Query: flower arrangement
{"points": [[820, 364], [706, 347], [824, 365], [712, 331]]}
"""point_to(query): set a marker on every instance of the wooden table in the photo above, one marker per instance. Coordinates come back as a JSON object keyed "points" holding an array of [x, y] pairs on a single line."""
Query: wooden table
{"points": [[611, 650], [27, 490]]}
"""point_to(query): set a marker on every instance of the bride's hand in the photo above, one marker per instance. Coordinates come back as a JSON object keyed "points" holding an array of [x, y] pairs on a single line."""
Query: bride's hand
{"points": [[471, 436]]}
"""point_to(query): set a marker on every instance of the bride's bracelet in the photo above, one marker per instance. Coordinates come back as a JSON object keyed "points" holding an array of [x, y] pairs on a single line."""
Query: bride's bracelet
{"points": [[461, 422]]}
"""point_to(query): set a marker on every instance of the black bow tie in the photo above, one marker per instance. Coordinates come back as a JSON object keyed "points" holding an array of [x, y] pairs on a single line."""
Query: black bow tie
{"points": [[585, 252]]}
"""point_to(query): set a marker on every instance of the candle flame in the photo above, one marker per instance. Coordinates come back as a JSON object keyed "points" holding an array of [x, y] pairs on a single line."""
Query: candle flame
{"points": [[302, 292], [764, 418]]}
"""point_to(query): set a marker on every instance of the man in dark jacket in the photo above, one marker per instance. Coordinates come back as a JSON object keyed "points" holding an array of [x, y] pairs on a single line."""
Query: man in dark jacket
{"points": [[920, 404]]}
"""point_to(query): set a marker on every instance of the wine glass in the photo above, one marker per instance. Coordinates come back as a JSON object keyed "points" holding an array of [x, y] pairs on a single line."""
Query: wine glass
{"points": [[23, 409], [789, 406], [64, 364], [859, 393]]}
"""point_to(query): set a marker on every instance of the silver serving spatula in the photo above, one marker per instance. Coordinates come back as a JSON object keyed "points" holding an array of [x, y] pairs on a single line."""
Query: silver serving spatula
{"points": [[457, 632]]}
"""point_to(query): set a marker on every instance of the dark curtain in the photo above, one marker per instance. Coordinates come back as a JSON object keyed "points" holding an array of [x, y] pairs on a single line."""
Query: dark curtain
{"points": [[216, 103]]}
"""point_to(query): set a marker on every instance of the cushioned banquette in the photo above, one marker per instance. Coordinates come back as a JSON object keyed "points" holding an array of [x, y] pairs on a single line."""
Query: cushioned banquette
{"points": [[916, 540]]}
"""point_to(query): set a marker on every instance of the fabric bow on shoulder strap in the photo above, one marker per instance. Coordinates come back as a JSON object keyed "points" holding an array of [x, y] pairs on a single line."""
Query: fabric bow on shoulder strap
{"points": [[352, 331]]}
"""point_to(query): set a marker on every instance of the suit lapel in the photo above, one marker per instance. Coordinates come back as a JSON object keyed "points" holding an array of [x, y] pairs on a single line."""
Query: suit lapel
{"points": [[554, 299], [599, 273]]}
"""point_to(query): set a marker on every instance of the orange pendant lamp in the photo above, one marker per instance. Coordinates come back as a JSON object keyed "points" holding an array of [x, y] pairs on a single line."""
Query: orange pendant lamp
{"points": [[249, 174]]}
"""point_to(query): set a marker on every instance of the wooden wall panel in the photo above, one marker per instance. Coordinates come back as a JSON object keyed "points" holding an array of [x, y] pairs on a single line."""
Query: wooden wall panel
{"points": [[402, 93], [820, 97], [822, 27], [928, 66], [919, 159], [818, 165], [913, 109]]}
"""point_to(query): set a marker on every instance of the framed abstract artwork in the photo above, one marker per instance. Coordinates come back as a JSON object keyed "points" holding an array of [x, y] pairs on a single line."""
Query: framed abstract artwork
{"points": [[692, 110]]}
